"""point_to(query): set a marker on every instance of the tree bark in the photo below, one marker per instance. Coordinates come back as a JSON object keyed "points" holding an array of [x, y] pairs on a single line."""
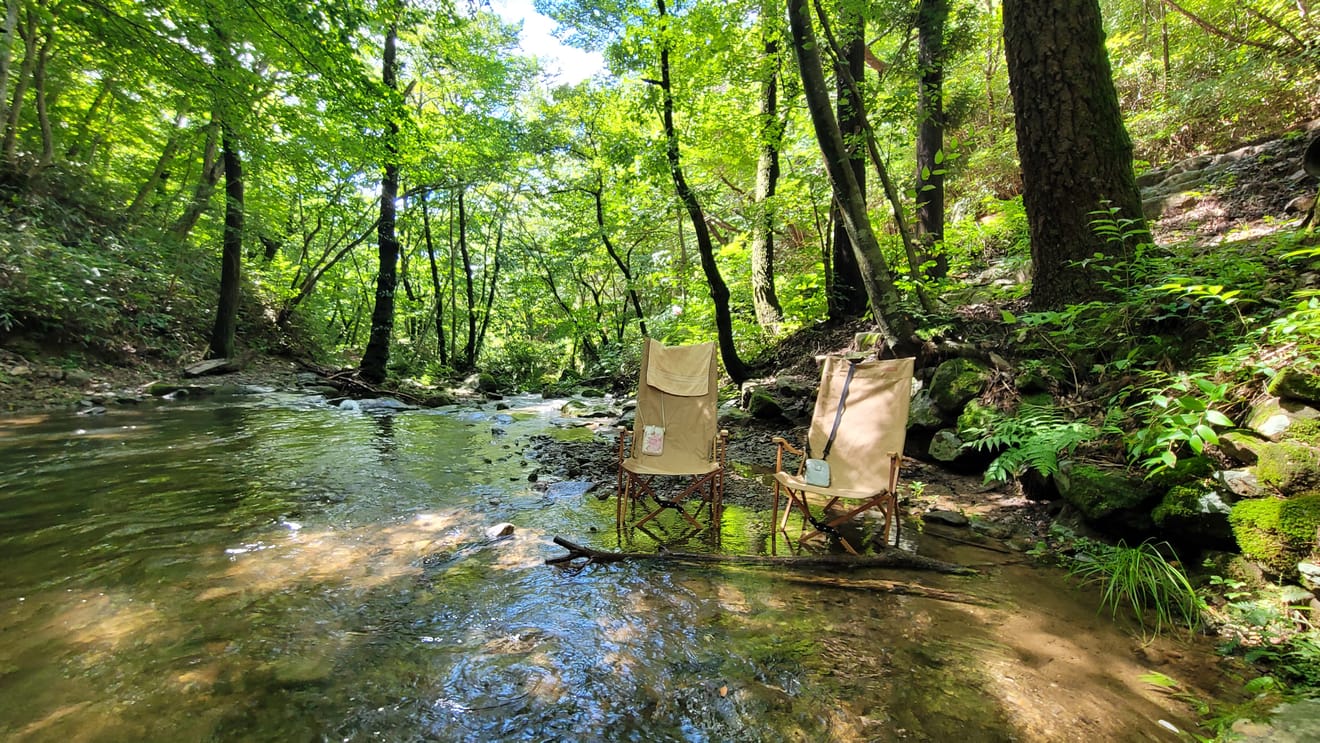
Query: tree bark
{"points": [[931, 163], [47, 158], [469, 347], [436, 287], [847, 297], [231, 259], [28, 33], [764, 299], [163, 163], [7, 55], [1075, 153], [618, 259], [212, 167], [719, 291], [892, 322], [376, 357]]}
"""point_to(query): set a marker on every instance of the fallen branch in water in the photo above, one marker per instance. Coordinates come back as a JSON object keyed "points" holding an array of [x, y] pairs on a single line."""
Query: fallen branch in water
{"points": [[891, 558]]}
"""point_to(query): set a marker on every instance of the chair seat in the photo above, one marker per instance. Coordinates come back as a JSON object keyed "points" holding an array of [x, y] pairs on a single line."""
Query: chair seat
{"points": [[790, 480], [640, 467]]}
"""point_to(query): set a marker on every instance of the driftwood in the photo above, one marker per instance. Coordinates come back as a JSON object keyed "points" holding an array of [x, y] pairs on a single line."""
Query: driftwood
{"points": [[891, 558], [968, 542], [348, 382]]}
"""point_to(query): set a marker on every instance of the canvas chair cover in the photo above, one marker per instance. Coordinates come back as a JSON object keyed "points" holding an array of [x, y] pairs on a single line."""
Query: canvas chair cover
{"points": [[873, 427], [678, 390]]}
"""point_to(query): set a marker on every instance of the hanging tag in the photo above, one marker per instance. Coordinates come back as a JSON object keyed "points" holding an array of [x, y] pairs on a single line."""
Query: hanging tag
{"points": [[653, 440]]}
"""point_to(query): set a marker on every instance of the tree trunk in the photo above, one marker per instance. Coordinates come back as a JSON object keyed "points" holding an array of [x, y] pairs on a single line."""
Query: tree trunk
{"points": [[27, 32], [847, 297], [766, 302], [377, 354], [892, 322], [469, 360], [436, 288], [618, 259], [719, 291], [1076, 156], [931, 161], [47, 158], [212, 167], [7, 55], [162, 165], [231, 260]]}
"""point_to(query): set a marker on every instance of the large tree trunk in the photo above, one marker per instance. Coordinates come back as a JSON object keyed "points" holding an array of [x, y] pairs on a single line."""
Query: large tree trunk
{"points": [[7, 55], [47, 158], [719, 291], [766, 302], [931, 16], [377, 354], [892, 322], [27, 32], [231, 260], [469, 360], [847, 297], [1076, 156]]}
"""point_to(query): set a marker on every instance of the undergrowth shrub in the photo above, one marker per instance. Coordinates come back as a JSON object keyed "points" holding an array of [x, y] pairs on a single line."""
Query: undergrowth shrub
{"points": [[1034, 438], [1140, 581]]}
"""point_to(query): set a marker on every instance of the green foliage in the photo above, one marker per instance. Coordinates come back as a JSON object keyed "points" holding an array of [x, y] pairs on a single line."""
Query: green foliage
{"points": [[1141, 581], [1032, 439], [1180, 416]]}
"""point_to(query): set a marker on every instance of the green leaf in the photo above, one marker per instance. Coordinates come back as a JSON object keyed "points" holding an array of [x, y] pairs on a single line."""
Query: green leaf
{"points": [[1216, 418], [939, 157], [1008, 318]]}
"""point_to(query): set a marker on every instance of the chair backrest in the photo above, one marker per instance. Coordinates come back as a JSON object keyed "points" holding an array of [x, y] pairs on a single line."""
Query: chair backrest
{"points": [[874, 420], [679, 391]]}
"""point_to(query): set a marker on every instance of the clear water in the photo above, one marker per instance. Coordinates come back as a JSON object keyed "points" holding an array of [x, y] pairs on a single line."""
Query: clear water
{"points": [[269, 568]]}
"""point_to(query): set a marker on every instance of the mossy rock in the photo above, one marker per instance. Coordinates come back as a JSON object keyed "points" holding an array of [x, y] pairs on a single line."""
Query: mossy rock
{"points": [[1273, 417], [1288, 466], [1242, 447], [922, 412], [1277, 533], [1304, 431], [1109, 498], [1036, 379], [1197, 513], [763, 406], [1294, 384], [955, 382]]}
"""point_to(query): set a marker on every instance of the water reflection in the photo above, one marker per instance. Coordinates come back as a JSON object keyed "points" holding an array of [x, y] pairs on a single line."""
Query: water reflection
{"points": [[259, 571]]}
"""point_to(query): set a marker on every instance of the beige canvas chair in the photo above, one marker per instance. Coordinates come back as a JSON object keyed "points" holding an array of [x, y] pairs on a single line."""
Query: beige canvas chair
{"points": [[675, 437], [858, 428]]}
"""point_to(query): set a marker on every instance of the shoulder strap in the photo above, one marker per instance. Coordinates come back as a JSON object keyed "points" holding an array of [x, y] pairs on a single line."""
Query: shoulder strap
{"points": [[843, 402]]}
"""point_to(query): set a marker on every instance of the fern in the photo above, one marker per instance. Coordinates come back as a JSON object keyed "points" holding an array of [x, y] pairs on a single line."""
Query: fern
{"points": [[1032, 439]]}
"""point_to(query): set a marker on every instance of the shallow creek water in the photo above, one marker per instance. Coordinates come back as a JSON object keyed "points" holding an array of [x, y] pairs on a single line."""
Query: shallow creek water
{"points": [[271, 568]]}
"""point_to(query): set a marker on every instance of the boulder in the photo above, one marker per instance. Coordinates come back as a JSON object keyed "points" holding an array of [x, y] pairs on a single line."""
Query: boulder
{"points": [[1196, 513], [1287, 467], [1108, 497], [1294, 384], [1277, 533], [955, 382], [1273, 416], [502, 529], [922, 413]]}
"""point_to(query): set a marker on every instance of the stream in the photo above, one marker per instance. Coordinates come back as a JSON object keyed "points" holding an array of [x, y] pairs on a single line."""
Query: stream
{"points": [[269, 567]]}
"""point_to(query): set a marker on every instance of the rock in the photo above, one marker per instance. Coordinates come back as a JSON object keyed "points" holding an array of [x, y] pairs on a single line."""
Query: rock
{"points": [[1287, 466], [948, 518], [481, 382], [922, 412], [94, 410], [945, 446], [1277, 533], [761, 405], [1107, 497], [1273, 417], [77, 378], [20, 371], [1293, 384], [1310, 573], [1241, 446], [955, 382], [1241, 483], [1196, 513], [211, 366], [502, 529]]}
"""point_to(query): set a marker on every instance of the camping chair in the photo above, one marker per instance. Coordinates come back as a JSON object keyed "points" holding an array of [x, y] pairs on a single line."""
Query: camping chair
{"points": [[858, 429], [675, 434]]}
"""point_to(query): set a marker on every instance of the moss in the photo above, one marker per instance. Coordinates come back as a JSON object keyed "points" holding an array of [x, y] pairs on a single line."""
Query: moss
{"points": [[1099, 493], [975, 416], [1287, 466], [1277, 533], [956, 382], [1181, 502], [1296, 385], [1304, 431]]}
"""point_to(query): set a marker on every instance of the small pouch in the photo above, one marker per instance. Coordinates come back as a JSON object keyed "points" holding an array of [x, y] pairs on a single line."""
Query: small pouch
{"points": [[653, 440], [817, 473]]}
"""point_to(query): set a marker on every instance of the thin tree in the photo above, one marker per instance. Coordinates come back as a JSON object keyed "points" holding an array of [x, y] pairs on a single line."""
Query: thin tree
{"points": [[1075, 153], [931, 17], [719, 291], [377, 354], [766, 302], [893, 323], [847, 290]]}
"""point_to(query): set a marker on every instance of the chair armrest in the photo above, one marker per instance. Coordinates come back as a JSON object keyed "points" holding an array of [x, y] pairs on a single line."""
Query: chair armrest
{"points": [[783, 443]]}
